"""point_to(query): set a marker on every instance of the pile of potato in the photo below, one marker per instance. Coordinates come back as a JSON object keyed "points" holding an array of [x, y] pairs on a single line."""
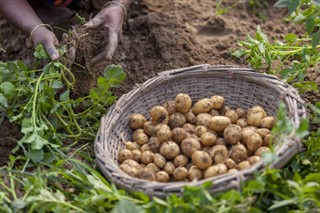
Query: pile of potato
{"points": [[183, 141]]}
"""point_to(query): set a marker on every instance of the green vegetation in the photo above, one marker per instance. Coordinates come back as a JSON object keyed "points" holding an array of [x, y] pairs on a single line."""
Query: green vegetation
{"points": [[51, 178]]}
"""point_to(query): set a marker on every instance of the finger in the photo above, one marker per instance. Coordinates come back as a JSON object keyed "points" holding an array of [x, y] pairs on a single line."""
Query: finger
{"points": [[100, 57], [113, 44], [95, 22], [52, 51]]}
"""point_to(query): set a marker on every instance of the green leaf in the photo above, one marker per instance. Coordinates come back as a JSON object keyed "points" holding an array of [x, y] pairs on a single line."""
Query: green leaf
{"points": [[41, 53], [57, 85], [293, 5], [302, 131], [3, 101], [310, 24], [19, 204], [124, 206], [291, 37], [282, 3], [7, 88], [36, 155], [64, 96], [114, 74], [282, 204], [315, 39]]}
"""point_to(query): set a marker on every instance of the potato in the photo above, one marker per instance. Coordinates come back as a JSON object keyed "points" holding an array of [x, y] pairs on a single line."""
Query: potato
{"points": [[154, 144], [254, 159], [147, 174], [132, 145], [159, 160], [199, 130], [148, 128], [218, 123], [136, 155], [180, 173], [180, 160], [203, 119], [160, 126], [124, 154], [241, 112], [178, 135], [242, 122], [163, 134], [230, 163], [202, 106], [214, 112], [263, 132], [162, 177], [132, 163], [244, 165], [134, 172], [232, 115], [136, 121], [219, 153], [221, 141], [191, 118], [261, 150], [201, 159], [195, 173], [208, 139], [211, 171], [169, 167], [222, 168], [183, 103], [147, 157], [254, 142], [232, 134], [238, 153], [145, 147], [189, 128], [158, 114], [207, 149], [232, 171], [267, 140], [268, 122], [246, 133], [169, 150], [224, 110], [176, 120], [170, 107], [136, 133], [217, 101], [153, 167], [255, 116], [189, 146]]}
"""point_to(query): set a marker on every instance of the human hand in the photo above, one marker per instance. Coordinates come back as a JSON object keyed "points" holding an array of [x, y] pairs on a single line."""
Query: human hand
{"points": [[112, 18], [48, 40]]}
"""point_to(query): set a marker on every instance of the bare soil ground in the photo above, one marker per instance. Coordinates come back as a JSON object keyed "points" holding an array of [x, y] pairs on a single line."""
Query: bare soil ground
{"points": [[161, 35]]}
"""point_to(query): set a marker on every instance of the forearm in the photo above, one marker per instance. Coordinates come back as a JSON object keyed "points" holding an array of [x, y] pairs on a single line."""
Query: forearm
{"points": [[20, 14]]}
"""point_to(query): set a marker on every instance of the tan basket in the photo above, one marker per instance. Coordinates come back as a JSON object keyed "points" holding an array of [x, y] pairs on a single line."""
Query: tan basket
{"points": [[239, 86]]}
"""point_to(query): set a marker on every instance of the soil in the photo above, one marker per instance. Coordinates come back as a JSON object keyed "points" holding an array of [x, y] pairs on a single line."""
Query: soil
{"points": [[161, 35]]}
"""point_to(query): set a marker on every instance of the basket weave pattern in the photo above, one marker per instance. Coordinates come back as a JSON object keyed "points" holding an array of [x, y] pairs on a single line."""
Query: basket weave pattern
{"points": [[240, 87]]}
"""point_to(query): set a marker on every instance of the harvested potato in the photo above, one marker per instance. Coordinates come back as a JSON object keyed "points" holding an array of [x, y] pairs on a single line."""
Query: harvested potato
{"points": [[238, 153], [158, 114], [189, 146], [241, 112], [136, 121], [159, 160], [246, 133], [219, 153], [254, 159], [170, 107], [211, 171], [221, 141], [268, 122], [153, 167], [232, 134], [267, 140], [148, 128], [124, 154], [255, 116], [199, 130], [169, 150], [183, 103], [169, 167], [261, 150], [180, 173], [163, 135], [195, 173], [154, 144], [147, 157], [232, 115], [203, 119], [136, 155], [232, 171], [177, 119], [224, 110], [162, 177], [242, 122], [132, 145], [141, 139], [254, 142], [132, 163], [230, 163], [201, 159], [145, 147], [218, 123], [214, 112], [217, 101], [202, 106], [244, 165], [147, 174], [132, 171], [178, 135], [191, 118], [136, 133], [263, 132], [208, 139], [189, 128], [180, 160], [207, 149], [160, 126], [222, 168]]}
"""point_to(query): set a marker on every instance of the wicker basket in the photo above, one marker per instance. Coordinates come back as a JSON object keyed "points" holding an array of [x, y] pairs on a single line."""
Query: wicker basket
{"points": [[240, 87]]}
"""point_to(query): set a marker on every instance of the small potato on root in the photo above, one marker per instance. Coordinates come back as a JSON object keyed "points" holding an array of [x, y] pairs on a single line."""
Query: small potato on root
{"points": [[183, 103], [136, 121]]}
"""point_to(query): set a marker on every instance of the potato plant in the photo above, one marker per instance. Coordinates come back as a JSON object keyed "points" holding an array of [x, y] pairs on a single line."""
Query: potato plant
{"points": [[190, 141]]}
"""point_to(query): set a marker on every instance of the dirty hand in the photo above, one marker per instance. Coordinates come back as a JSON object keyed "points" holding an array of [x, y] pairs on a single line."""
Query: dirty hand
{"points": [[112, 18], [48, 40]]}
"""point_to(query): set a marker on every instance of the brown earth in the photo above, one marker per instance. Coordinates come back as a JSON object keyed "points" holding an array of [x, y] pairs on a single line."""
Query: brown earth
{"points": [[161, 35]]}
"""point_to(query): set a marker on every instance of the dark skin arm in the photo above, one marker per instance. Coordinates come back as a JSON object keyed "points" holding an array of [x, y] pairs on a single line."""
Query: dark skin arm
{"points": [[21, 14]]}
